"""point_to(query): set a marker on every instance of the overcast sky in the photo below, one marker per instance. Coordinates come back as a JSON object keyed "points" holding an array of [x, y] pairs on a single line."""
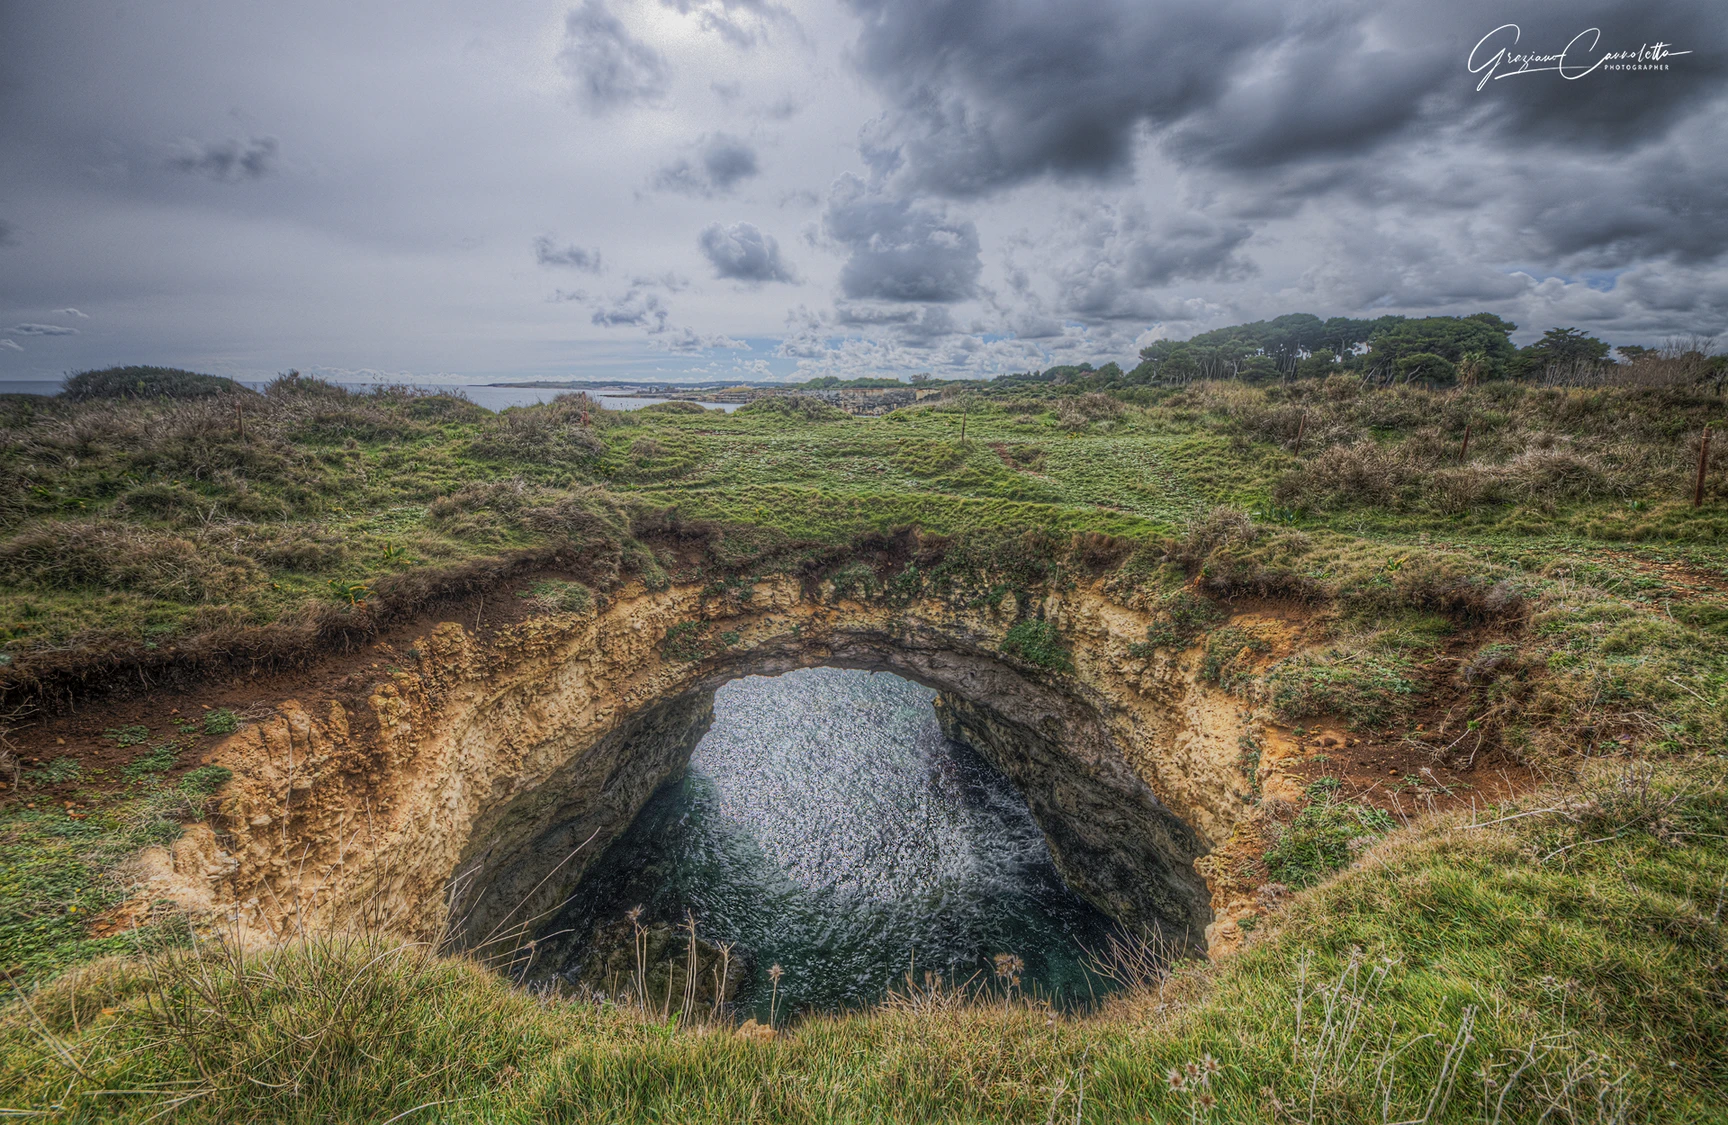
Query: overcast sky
{"points": [[739, 188]]}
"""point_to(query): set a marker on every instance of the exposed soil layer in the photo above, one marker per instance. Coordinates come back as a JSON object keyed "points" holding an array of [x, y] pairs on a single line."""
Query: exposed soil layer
{"points": [[365, 784]]}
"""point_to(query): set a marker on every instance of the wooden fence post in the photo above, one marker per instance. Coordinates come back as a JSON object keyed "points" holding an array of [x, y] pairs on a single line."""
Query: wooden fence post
{"points": [[1301, 428], [1464, 451], [1703, 463]]}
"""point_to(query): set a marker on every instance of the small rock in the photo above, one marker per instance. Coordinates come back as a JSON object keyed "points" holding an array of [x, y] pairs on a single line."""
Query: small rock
{"points": [[259, 821]]}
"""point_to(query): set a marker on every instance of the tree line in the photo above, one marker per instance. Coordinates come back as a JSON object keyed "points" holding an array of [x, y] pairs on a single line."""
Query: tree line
{"points": [[1430, 350]]}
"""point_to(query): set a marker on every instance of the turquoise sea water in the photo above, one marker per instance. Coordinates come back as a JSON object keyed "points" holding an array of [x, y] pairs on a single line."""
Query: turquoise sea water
{"points": [[826, 825]]}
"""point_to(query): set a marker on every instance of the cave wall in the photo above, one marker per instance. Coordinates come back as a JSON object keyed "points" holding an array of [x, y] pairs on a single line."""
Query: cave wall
{"points": [[1111, 839], [525, 856]]}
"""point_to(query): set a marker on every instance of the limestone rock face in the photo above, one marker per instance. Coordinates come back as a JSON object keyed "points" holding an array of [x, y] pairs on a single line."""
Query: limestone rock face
{"points": [[481, 782]]}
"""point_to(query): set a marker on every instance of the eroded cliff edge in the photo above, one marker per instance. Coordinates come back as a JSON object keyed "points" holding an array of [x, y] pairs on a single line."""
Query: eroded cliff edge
{"points": [[484, 777]]}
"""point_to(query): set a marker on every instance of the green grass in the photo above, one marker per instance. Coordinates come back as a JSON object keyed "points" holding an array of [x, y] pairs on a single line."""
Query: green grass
{"points": [[1568, 960], [1559, 585], [1038, 642], [1324, 837]]}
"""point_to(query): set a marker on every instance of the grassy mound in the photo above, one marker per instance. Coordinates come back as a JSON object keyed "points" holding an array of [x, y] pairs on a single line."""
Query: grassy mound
{"points": [[148, 382]]}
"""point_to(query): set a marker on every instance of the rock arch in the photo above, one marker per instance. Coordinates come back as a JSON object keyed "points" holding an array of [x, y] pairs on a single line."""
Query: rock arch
{"points": [[452, 804]]}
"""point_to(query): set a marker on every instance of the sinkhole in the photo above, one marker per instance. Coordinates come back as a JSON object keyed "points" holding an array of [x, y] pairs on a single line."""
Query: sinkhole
{"points": [[825, 826]]}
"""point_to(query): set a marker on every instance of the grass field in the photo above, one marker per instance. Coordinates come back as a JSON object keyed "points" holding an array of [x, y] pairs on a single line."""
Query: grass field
{"points": [[1555, 580]]}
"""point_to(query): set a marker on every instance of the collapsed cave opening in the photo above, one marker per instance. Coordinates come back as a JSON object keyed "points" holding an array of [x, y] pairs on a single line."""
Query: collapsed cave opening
{"points": [[532, 887]]}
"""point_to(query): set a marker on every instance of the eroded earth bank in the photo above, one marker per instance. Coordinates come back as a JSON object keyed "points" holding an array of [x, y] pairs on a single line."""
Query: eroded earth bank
{"points": [[482, 778]]}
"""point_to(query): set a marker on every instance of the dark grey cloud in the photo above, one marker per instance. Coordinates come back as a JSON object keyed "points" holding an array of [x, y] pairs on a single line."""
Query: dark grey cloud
{"points": [[41, 330], [1192, 248], [610, 67], [743, 253], [900, 249], [1064, 174], [718, 163], [984, 96], [1607, 215], [1604, 112], [227, 161], [549, 253]]}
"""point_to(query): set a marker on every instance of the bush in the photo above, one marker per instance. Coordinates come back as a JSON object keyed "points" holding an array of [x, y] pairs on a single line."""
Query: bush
{"points": [[1037, 642], [1179, 618], [793, 407], [147, 382], [302, 551], [1366, 688], [676, 406], [558, 432], [106, 554], [160, 501]]}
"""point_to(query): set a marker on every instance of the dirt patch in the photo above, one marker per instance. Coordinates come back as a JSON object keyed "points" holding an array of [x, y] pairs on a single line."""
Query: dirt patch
{"points": [[82, 732]]}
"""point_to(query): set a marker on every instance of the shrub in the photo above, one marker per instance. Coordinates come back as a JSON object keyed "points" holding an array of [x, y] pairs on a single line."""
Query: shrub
{"points": [[296, 385], [676, 406], [855, 580], [1225, 649], [504, 496], [1345, 475], [1179, 618], [686, 641], [221, 721], [557, 432], [793, 407], [107, 554], [1323, 838], [1365, 688], [160, 500], [303, 551], [147, 382], [1037, 642]]}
